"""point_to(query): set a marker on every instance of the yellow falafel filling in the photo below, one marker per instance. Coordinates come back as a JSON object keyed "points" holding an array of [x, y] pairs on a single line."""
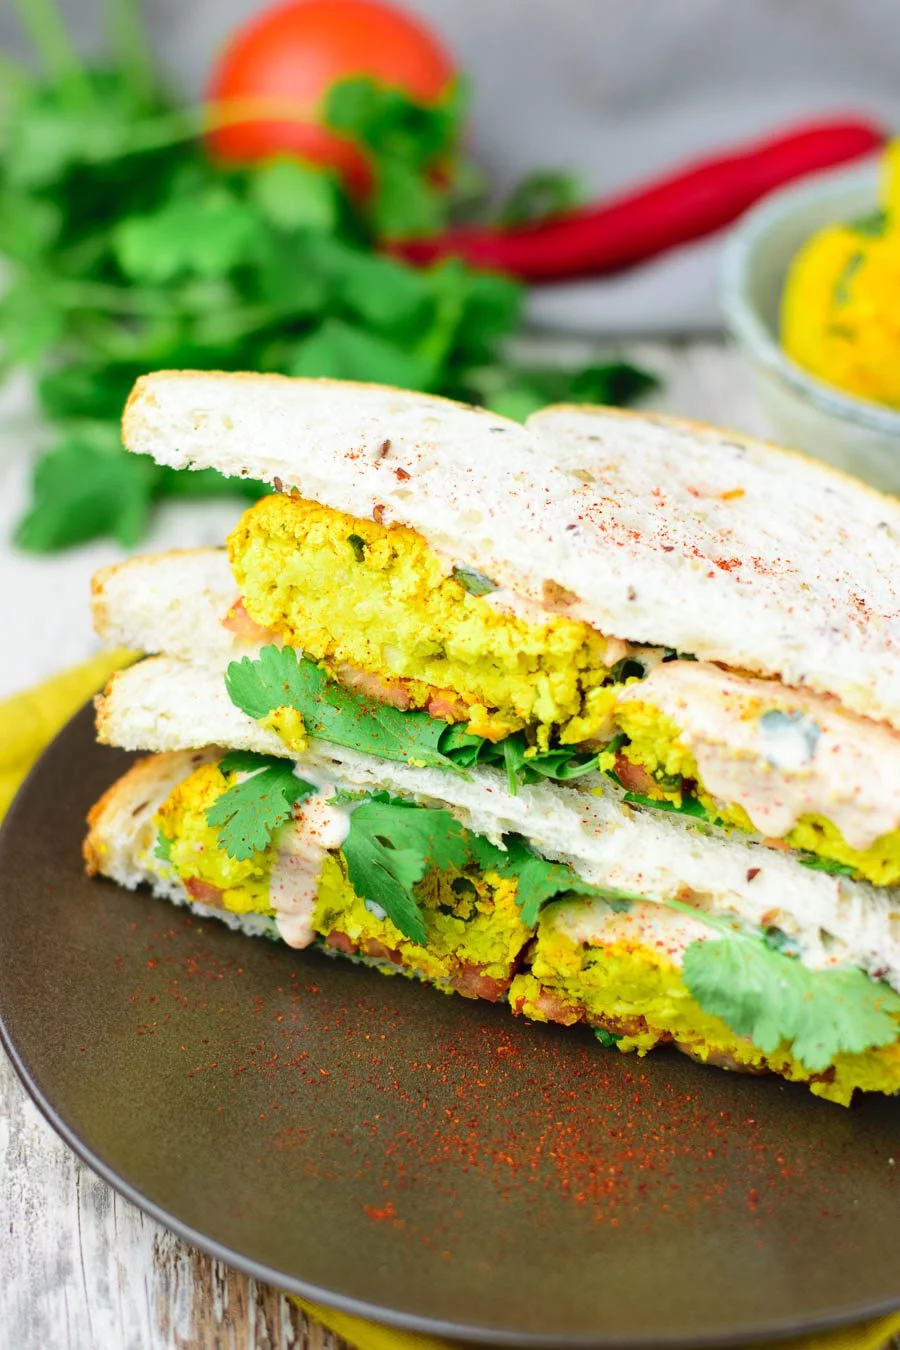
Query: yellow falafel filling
{"points": [[636, 995], [633, 994], [474, 930], [375, 598], [655, 744]]}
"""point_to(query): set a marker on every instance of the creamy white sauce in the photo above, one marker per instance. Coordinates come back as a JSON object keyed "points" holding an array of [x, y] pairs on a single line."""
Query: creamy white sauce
{"points": [[318, 827], [780, 753], [645, 923]]}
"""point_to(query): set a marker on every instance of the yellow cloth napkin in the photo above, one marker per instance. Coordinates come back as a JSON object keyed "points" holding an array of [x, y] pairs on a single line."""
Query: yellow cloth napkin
{"points": [[28, 722], [367, 1336]]}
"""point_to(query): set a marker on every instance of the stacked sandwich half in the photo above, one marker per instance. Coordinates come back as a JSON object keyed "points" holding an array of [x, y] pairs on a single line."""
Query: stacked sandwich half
{"points": [[595, 716]]}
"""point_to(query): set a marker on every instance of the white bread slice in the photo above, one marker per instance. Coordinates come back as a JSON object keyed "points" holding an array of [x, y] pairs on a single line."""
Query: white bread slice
{"points": [[166, 603], [121, 837], [654, 530], [163, 705], [172, 602]]}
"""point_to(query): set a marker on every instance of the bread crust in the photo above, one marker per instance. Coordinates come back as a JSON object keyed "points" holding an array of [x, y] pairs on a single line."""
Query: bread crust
{"points": [[649, 528], [119, 821], [143, 777]]}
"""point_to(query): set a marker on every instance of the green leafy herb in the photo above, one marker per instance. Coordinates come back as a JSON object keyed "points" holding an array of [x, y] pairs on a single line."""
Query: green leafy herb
{"points": [[818, 864], [524, 764], [774, 999], [872, 226], [690, 806], [620, 739], [541, 195], [779, 941], [83, 488], [538, 879], [390, 846], [626, 669], [609, 1039], [295, 196], [517, 392], [474, 583], [163, 849], [281, 677], [406, 142], [393, 843], [358, 545], [248, 813], [126, 249]]}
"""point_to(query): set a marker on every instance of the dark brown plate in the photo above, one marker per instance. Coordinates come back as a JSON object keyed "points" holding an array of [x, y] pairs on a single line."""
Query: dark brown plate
{"points": [[419, 1159]]}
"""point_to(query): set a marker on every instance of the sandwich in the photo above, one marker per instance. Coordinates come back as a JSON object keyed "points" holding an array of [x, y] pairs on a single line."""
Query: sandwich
{"points": [[599, 716]]}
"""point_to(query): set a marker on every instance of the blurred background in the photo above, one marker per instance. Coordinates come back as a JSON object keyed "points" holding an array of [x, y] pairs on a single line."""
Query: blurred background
{"points": [[465, 246]]}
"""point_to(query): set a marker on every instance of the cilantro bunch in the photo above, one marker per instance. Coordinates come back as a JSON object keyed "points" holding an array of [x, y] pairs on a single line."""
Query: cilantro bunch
{"points": [[128, 249]]}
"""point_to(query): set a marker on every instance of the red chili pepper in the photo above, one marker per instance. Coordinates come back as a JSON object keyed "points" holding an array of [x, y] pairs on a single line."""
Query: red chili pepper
{"points": [[689, 204]]}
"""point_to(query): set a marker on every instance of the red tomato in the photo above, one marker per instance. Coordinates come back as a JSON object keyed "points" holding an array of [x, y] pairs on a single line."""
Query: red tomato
{"points": [[293, 53]]}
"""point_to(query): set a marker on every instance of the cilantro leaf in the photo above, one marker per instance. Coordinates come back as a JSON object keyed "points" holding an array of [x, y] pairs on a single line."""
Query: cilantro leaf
{"points": [[608, 1039], [541, 195], [690, 806], [392, 126], [292, 195], [472, 582], [525, 765], [248, 813], [774, 999], [339, 351], [405, 205], [206, 236], [404, 140], [277, 678], [518, 391], [538, 879], [163, 849], [81, 489], [390, 846], [819, 864], [281, 676], [127, 248]]}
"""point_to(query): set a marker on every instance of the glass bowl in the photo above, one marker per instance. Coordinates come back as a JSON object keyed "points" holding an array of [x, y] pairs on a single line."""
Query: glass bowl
{"points": [[860, 437]]}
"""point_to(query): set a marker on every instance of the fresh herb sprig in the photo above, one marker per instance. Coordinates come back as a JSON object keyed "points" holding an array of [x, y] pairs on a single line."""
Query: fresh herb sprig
{"points": [[129, 250], [391, 842], [775, 1000], [391, 845], [280, 677], [249, 812]]}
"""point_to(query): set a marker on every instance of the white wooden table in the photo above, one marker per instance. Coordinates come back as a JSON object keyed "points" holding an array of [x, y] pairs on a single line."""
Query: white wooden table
{"points": [[80, 1267]]}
